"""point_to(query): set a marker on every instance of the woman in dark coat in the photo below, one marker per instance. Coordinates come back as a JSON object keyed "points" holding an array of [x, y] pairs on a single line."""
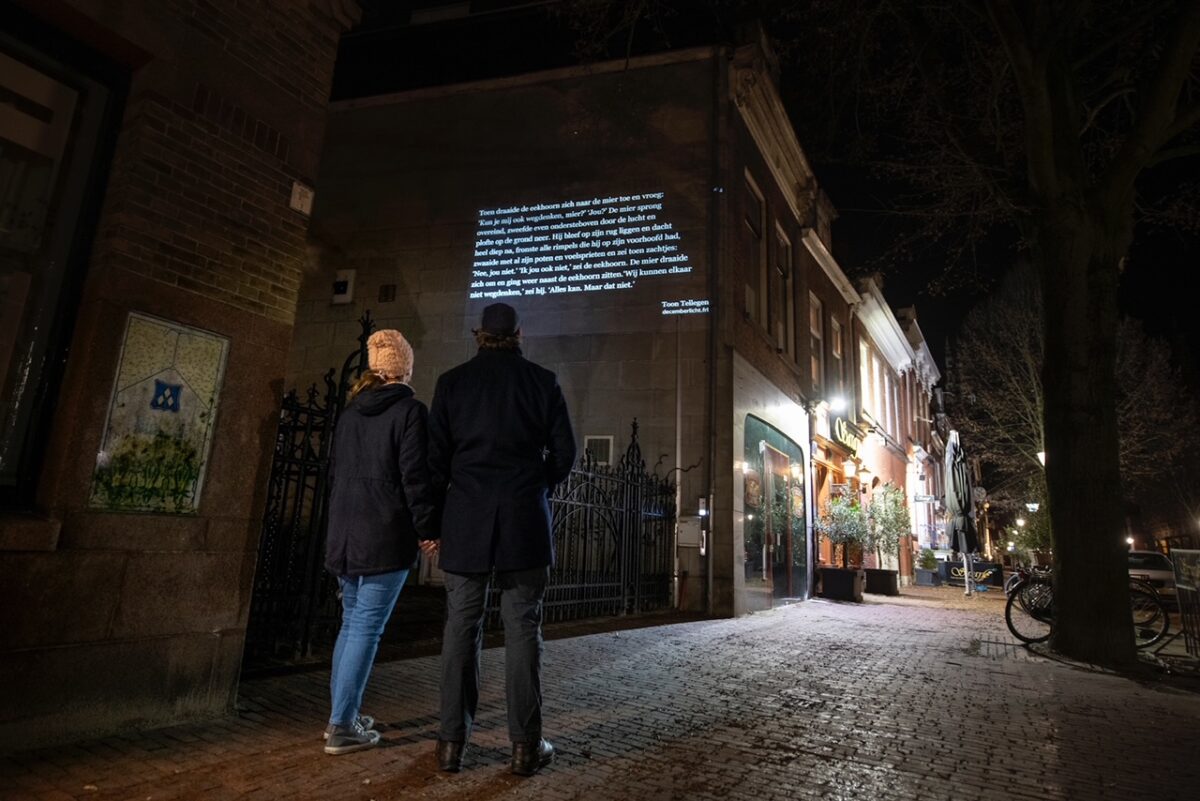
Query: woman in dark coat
{"points": [[382, 503]]}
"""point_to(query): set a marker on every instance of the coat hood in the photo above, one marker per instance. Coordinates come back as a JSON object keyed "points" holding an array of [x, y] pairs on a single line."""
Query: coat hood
{"points": [[376, 401]]}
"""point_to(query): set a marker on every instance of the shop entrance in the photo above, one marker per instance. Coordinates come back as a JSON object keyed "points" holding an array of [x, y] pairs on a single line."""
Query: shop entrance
{"points": [[775, 532]]}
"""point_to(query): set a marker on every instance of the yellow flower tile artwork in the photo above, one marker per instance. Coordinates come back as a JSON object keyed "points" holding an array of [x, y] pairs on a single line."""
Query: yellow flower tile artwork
{"points": [[160, 419]]}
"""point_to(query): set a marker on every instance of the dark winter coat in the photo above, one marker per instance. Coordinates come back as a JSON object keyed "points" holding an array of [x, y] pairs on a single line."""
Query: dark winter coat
{"points": [[500, 439], [382, 500]]}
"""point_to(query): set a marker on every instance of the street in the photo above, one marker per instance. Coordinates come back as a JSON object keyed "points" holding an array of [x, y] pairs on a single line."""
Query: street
{"points": [[925, 696]]}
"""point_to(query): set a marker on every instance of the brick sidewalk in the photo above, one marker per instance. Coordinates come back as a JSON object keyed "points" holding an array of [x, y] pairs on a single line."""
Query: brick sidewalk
{"points": [[921, 697]]}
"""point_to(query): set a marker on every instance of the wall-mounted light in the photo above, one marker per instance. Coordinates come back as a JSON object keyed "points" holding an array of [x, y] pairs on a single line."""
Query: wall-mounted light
{"points": [[1129, 541], [702, 506], [850, 469], [837, 403]]}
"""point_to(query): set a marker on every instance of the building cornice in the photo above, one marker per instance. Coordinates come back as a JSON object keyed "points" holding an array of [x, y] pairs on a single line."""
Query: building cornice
{"points": [[830, 267], [758, 103], [529, 78], [885, 332]]}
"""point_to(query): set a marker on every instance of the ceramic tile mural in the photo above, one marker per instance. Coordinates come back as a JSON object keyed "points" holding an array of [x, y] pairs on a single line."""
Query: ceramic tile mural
{"points": [[160, 419]]}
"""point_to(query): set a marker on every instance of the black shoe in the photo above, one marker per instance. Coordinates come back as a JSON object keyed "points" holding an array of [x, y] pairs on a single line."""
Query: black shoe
{"points": [[450, 756], [348, 739], [529, 758]]}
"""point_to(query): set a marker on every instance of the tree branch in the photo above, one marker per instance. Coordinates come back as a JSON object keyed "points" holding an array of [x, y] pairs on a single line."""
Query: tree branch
{"points": [[1157, 115], [1185, 119], [1029, 68], [1124, 33], [1170, 154], [1095, 111]]}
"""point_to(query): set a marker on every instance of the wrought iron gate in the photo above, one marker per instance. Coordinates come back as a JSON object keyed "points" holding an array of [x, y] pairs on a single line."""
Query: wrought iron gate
{"points": [[295, 605], [613, 530]]}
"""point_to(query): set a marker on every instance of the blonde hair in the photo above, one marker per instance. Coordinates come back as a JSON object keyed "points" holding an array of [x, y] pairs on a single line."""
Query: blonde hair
{"points": [[368, 380]]}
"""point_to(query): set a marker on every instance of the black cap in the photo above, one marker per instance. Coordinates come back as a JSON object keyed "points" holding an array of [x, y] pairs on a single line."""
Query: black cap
{"points": [[500, 319]]}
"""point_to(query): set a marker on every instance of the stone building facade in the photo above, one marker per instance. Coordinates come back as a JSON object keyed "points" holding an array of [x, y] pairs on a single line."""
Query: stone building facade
{"points": [[172, 259]]}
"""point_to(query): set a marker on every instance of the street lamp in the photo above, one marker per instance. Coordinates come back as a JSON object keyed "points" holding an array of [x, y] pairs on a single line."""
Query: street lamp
{"points": [[1032, 507], [1021, 522], [1041, 455], [1129, 541]]}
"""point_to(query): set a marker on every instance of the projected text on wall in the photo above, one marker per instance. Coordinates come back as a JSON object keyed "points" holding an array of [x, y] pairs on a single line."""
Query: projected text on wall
{"points": [[603, 244]]}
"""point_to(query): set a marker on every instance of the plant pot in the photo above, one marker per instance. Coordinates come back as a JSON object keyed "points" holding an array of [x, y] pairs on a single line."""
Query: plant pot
{"points": [[928, 577], [842, 584], [883, 582]]}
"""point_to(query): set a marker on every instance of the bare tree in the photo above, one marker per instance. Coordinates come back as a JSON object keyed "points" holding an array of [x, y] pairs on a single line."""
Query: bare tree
{"points": [[997, 378]]}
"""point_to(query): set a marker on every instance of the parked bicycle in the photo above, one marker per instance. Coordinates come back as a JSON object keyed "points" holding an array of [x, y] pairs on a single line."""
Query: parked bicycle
{"points": [[1029, 610]]}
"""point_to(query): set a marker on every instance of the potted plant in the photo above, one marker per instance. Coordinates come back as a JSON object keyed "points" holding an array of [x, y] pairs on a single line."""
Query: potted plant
{"points": [[888, 521], [927, 569], [843, 523]]}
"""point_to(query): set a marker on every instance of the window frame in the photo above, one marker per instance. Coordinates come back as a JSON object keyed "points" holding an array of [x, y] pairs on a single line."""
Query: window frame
{"points": [[816, 341], [103, 85], [756, 302]]}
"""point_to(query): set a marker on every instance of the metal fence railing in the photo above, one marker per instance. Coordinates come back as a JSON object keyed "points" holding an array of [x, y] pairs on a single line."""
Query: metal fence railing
{"points": [[613, 530]]}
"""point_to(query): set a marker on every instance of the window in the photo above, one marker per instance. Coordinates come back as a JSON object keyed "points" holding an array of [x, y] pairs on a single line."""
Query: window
{"points": [[889, 407], [877, 407], [864, 376], [599, 448], [755, 268], [782, 294], [52, 134], [838, 375], [816, 340]]}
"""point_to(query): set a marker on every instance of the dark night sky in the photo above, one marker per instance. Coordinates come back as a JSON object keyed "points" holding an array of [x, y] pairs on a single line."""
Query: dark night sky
{"points": [[385, 54]]}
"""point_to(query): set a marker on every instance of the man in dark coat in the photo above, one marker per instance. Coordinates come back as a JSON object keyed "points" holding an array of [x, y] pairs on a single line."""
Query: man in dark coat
{"points": [[500, 439]]}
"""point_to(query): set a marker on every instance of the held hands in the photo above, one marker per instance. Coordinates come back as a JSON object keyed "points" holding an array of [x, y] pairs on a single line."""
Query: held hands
{"points": [[429, 547]]}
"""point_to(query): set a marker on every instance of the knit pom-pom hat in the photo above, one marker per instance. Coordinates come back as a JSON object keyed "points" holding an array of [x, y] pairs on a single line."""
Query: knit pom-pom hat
{"points": [[390, 355]]}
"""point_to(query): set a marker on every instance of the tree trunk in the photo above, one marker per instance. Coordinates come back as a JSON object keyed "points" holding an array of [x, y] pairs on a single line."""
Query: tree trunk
{"points": [[1078, 254]]}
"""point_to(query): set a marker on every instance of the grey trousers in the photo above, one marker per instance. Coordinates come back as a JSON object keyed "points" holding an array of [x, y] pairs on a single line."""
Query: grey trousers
{"points": [[521, 593]]}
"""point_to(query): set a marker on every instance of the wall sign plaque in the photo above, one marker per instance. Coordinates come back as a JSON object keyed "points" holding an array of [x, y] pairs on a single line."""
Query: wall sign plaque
{"points": [[160, 418]]}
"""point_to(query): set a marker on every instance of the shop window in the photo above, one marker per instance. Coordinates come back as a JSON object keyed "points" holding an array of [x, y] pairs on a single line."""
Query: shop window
{"points": [[775, 530]]}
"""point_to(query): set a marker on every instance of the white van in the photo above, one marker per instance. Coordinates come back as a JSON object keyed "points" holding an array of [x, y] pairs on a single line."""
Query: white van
{"points": [[1154, 568]]}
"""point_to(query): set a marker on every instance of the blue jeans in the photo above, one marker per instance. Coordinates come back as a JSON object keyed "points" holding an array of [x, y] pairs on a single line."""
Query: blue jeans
{"points": [[367, 603], [521, 593]]}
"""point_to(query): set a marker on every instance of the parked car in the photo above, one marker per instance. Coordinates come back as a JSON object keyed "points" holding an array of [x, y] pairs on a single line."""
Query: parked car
{"points": [[1155, 569]]}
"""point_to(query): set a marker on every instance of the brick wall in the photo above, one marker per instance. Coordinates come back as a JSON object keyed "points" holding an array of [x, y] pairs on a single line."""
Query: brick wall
{"points": [[203, 173], [135, 619]]}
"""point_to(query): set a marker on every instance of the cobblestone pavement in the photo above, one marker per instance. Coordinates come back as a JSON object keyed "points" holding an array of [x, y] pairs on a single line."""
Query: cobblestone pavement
{"points": [[921, 697]]}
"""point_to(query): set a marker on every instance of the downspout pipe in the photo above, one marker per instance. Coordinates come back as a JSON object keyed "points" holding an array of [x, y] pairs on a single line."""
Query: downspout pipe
{"points": [[716, 206]]}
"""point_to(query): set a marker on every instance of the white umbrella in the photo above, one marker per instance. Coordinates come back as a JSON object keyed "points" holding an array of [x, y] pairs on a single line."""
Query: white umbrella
{"points": [[960, 506]]}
